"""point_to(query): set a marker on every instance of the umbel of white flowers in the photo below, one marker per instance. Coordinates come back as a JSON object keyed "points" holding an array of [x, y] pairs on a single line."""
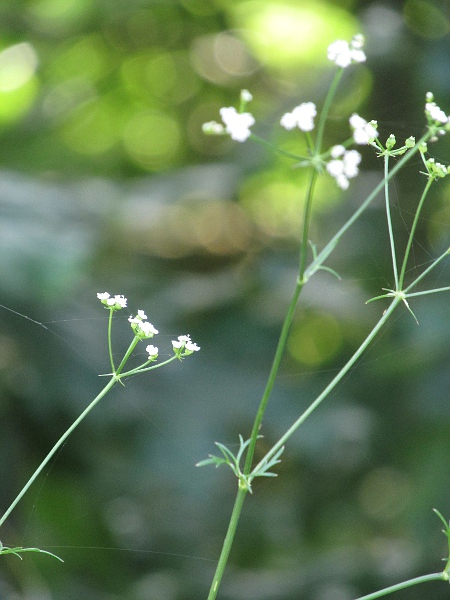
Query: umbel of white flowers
{"points": [[343, 165], [143, 329]]}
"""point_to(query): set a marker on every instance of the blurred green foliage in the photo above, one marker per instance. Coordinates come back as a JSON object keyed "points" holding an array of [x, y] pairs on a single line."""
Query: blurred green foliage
{"points": [[108, 184]]}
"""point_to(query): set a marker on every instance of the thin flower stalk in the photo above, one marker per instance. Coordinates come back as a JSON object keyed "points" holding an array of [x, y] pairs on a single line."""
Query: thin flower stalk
{"points": [[405, 584], [329, 388], [58, 444], [389, 220], [412, 232], [142, 329]]}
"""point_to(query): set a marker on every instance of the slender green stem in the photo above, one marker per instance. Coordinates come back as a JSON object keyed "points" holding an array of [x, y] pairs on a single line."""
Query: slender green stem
{"points": [[330, 387], [428, 270], [58, 444], [272, 376], [306, 223], [228, 542], [426, 292], [111, 359], [413, 230], [127, 354], [143, 370], [405, 584], [389, 220]]}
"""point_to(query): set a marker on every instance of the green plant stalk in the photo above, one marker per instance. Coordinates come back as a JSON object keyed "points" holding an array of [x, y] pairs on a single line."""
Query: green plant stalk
{"points": [[242, 492], [401, 586], [272, 376], [111, 359], [428, 270], [285, 328], [300, 281], [151, 368], [389, 220], [396, 300], [127, 355], [304, 275], [413, 230], [330, 387], [306, 224], [228, 542], [58, 444]]}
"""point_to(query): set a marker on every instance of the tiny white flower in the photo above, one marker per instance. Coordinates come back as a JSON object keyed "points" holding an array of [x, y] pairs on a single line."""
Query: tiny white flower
{"points": [[142, 329], [337, 151], [342, 181], [344, 54], [191, 347], [302, 116], [184, 338], [435, 113], [213, 128], [184, 346], [351, 160], [335, 168], [363, 132], [152, 352], [115, 303], [120, 301], [246, 96], [147, 329], [237, 124], [345, 168], [141, 314], [358, 41]]}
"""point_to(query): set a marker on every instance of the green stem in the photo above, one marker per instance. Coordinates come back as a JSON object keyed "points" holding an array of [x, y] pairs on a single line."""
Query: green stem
{"points": [[58, 444], [142, 370], [272, 376], [111, 360], [127, 355], [433, 265], [426, 292], [306, 223], [228, 542], [293, 428], [389, 220], [413, 230], [405, 584]]}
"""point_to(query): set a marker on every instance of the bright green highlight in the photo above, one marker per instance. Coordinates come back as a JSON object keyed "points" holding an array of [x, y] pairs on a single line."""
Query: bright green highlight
{"points": [[286, 34]]}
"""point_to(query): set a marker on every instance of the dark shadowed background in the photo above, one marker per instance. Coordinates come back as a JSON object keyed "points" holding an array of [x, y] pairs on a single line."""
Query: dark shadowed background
{"points": [[107, 183]]}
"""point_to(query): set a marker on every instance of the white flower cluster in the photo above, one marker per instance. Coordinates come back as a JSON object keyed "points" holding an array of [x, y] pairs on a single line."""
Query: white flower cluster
{"points": [[237, 124], [183, 346], [152, 352], [432, 110], [344, 54], [142, 328], [344, 165], [302, 116], [363, 132], [113, 303]]}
